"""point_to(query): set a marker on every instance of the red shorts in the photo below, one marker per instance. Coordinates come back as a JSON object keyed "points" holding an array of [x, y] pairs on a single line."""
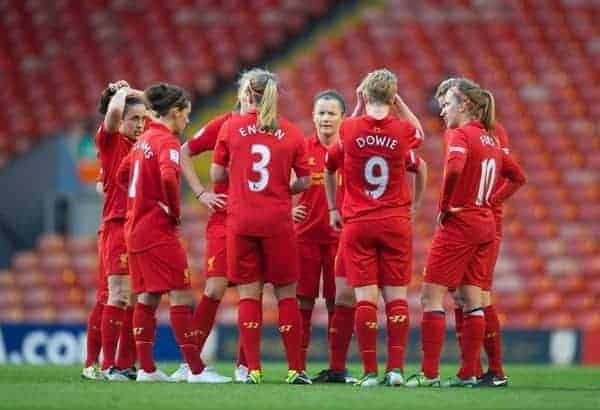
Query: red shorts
{"points": [[378, 252], [452, 262], [271, 259], [114, 255], [487, 283], [340, 266], [215, 257], [316, 258], [102, 283], [159, 269]]}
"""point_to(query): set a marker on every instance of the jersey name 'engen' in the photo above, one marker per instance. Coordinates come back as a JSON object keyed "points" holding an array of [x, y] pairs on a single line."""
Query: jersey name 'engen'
{"points": [[255, 129], [378, 141]]}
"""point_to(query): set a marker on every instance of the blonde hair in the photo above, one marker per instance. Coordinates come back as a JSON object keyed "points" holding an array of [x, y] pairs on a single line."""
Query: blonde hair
{"points": [[481, 100], [262, 85], [379, 86]]}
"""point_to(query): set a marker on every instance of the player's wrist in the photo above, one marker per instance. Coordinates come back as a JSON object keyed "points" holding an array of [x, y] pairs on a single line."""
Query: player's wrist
{"points": [[332, 209], [199, 195]]}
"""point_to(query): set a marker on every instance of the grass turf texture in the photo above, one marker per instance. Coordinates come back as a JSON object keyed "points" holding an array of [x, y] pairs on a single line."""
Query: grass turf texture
{"points": [[532, 387]]}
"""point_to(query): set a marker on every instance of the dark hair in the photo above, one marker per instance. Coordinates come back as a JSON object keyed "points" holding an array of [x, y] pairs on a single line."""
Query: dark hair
{"points": [[107, 94], [331, 95], [130, 101], [162, 97]]}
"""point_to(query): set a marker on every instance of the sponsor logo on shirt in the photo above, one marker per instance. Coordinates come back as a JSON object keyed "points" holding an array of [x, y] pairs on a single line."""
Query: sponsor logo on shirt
{"points": [[174, 156]]}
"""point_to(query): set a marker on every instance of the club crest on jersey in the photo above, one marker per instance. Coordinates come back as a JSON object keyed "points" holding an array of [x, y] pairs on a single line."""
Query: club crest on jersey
{"points": [[211, 264], [312, 161], [382, 141], [145, 147]]}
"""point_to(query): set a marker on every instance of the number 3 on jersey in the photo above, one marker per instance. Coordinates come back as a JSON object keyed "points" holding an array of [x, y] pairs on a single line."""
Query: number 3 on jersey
{"points": [[486, 183], [381, 180], [260, 167]]}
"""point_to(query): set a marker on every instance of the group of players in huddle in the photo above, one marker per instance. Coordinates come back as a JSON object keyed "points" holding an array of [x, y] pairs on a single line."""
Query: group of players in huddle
{"points": [[351, 228]]}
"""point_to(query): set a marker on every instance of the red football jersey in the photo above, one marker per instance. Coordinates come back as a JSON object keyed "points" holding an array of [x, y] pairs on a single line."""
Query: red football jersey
{"points": [[112, 148], [205, 140], [502, 137], [315, 226], [150, 221], [260, 166], [374, 163]]}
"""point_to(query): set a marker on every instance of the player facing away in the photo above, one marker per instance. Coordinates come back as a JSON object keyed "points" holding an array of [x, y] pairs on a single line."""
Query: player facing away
{"points": [[377, 238], [463, 243], [215, 267], [494, 377], [157, 259], [124, 112], [342, 322], [257, 152], [317, 241]]}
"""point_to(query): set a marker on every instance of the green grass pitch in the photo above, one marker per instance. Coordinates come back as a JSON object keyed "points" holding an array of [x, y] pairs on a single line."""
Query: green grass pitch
{"points": [[532, 387]]}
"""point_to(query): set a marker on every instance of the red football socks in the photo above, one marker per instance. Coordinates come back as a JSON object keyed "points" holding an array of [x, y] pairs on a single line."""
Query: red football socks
{"points": [[340, 335], [330, 314], [126, 351], [306, 330], [94, 335], [204, 318], [144, 325], [458, 323], [473, 333], [185, 334], [112, 320], [433, 332], [493, 341], [290, 323], [249, 324], [397, 333], [366, 332]]}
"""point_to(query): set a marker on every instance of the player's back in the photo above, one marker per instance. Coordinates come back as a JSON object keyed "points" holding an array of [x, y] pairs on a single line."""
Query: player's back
{"points": [[483, 161], [260, 165], [112, 148], [374, 166], [149, 222]]}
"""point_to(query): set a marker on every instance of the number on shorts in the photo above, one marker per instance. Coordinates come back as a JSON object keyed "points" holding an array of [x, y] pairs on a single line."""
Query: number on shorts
{"points": [[260, 167], [486, 183], [134, 178], [381, 180]]}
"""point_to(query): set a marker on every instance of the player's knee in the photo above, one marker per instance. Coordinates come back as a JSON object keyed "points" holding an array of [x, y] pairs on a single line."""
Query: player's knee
{"points": [[118, 295], [215, 292], [458, 299], [346, 298], [306, 303]]}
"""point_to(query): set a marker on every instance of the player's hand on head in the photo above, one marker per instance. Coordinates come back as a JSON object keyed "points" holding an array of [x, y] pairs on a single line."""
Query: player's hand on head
{"points": [[299, 212], [335, 220], [212, 200]]}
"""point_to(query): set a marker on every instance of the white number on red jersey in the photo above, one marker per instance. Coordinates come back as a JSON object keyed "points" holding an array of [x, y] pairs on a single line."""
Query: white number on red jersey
{"points": [[381, 180], [486, 183], [260, 167], [134, 178]]}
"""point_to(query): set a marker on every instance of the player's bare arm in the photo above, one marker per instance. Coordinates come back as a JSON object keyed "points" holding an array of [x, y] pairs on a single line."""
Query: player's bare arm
{"points": [[218, 173], [300, 185], [419, 186], [403, 111], [208, 198], [335, 219]]}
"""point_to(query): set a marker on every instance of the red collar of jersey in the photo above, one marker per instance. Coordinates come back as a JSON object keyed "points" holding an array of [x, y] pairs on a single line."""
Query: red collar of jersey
{"points": [[159, 126], [374, 121], [474, 123]]}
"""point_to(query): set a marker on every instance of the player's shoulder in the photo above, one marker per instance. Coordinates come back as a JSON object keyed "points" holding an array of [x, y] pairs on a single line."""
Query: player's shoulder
{"points": [[501, 134], [290, 128]]}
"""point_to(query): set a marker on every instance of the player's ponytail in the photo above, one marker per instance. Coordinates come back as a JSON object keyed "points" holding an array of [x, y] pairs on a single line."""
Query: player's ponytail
{"points": [[488, 114], [267, 117], [261, 86], [481, 101]]}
